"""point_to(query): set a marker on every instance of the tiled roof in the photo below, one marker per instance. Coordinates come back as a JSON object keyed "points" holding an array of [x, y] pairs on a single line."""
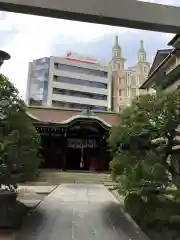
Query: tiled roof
{"points": [[152, 73], [58, 115], [175, 38]]}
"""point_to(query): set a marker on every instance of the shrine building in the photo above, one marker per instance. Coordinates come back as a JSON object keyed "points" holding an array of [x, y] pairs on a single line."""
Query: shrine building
{"points": [[73, 139]]}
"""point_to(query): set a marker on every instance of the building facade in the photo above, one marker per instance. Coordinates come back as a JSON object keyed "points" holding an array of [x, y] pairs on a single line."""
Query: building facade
{"points": [[124, 83], [79, 82], [71, 82], [165, 71]]}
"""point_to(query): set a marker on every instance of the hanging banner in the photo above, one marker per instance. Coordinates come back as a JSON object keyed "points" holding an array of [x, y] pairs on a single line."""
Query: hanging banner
{"points": [[81, 143]]}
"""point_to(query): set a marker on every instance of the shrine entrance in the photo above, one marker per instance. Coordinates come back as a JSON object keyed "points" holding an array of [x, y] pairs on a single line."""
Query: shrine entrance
{"points": [[86, 146], [81, 153], [79, 144]]}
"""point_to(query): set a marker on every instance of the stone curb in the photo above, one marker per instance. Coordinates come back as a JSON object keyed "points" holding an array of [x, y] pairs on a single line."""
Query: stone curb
{"points": [[127, 215]]}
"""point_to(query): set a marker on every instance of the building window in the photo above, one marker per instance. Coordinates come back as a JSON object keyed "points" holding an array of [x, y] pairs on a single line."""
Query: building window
{"points": [[42, 74], [75, 69], [118, 65], [133, 81], [128, 78], [56, 65], [128, 92], [120, 92], [79, 94], [80, 82], [77, 106], [55, 78], [117, 54], [35, 102]]}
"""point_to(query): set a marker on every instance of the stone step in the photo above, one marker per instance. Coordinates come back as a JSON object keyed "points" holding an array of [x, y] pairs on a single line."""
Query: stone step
{"points": [[74, 173], [75, 177], [71, 179], [65, 174], [74, 180], [57, 177]]}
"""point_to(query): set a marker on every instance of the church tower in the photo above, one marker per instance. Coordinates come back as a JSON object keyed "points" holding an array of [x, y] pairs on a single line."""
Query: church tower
{"points": [[124, 84], [117, 59], [116, 69], [143, 66], [141, 53], [116, 48]]}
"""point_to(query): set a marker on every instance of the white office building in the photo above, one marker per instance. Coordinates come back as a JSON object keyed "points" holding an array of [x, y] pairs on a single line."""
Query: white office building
{"points": [[73, 81]]}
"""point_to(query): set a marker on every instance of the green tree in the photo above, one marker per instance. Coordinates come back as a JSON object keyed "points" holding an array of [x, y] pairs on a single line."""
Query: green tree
{"points": [[142, 146], [142, 143], [19, 142]]}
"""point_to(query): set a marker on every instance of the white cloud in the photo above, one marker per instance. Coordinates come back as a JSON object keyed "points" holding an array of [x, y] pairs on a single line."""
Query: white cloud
{"points": [[32, 37], [35, 37]]}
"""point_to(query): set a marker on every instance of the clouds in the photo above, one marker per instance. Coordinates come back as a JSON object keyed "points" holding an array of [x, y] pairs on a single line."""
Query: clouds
{"points": [[7, 31], [28, 37], [34, 37], [101, 47]]}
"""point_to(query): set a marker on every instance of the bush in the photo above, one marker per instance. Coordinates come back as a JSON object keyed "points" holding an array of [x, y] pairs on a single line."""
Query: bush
{"points": [[19, 141]]}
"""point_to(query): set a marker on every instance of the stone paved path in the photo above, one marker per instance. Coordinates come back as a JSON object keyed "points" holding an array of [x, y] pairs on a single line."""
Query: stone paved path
{"points": [[79, 212]]}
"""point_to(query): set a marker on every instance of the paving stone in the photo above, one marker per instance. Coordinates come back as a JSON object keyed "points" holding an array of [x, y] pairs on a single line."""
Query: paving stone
{"points": [[36, 189], [79, 212], [30, 203]]}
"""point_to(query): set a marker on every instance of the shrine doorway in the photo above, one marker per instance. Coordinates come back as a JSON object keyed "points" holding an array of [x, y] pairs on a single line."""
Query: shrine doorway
{"points": [[73, 159], [86, 146], [79, 144]]}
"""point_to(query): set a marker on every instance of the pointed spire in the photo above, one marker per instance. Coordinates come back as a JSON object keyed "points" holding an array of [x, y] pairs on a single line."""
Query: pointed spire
{"points": [[116, 48], [116, 44], [142, 45], [141, 52]]}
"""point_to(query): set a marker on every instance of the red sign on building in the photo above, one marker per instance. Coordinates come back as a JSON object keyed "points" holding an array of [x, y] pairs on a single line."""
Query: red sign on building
{"points": [[79, 58]]}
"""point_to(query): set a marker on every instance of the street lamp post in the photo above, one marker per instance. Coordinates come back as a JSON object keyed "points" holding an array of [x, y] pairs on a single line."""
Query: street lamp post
{"points": [[4, 56]]}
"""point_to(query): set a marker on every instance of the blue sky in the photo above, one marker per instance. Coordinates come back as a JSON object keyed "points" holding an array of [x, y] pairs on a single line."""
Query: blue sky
{"points": [[28, 37]]}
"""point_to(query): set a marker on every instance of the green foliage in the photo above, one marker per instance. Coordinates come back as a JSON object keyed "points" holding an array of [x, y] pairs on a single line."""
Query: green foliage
{"points": [[156, 213], [19, 142], [140, 162], [144, 163]]}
